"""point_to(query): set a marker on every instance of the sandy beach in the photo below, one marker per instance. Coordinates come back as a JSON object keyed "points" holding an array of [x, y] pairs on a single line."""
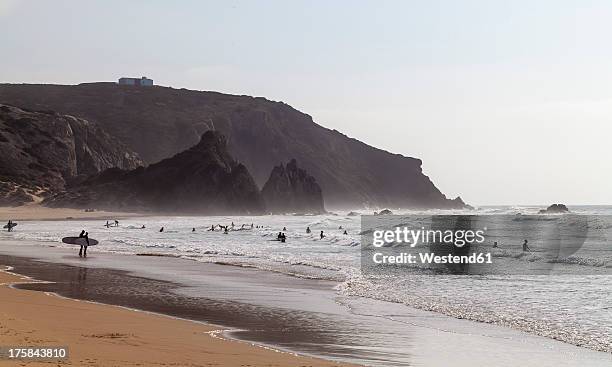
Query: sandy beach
{"points": [[39, 212], [234, 284], [100, 335]]}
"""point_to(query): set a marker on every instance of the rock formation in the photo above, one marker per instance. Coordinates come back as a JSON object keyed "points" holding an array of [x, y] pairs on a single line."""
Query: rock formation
{"points": [[290, 189], [41, 151], [158, 122], [204, 179], [555, 209]]}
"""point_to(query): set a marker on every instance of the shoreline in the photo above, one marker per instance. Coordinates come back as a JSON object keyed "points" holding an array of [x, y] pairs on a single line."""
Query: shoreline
{"points": [[265, 307], [234, 300], [138, 337]]}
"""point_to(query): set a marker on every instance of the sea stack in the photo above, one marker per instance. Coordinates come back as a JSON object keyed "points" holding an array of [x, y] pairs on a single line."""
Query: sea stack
{"points": [[291, 189], [204, 179], [555, 209]]}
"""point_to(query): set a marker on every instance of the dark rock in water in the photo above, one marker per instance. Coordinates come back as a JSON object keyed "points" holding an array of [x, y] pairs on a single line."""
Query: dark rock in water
{"points": [[385, 212], [158, 122], [41, 151], [204, 179], [291, 189], [352, 214], [555, 209]]}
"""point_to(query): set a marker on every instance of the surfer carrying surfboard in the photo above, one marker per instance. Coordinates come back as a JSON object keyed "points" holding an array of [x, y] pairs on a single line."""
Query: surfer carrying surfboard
{"points": [[83, 250]]}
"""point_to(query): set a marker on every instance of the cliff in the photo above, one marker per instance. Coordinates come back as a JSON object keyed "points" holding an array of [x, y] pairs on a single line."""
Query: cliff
{"points": [[204, 179], [292, 190], [41, 151], [158, 122]]}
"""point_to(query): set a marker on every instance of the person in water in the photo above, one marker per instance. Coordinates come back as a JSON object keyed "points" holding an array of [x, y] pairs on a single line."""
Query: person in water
{"points": [[161, 229], [143, 227], [193, 229], [322, 235], [495, 244], [284, 228], [9, 225], [116, 223], [345, 232], [107, 224], [307, 229], [525, 247]]}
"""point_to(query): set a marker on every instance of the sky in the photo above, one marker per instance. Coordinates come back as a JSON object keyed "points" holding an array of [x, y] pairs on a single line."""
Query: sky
{"points": [[506, 102]]}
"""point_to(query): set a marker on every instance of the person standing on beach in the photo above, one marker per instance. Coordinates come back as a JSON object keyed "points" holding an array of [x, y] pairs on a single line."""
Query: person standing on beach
{"points": [[525, 247], [83, 249]]}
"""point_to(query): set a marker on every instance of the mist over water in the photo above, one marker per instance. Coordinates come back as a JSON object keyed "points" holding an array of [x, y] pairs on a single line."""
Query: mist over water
{"points": [[571, 308]]}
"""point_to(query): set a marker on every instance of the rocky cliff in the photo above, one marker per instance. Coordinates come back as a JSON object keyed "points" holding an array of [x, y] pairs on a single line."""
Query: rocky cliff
{"points": [[204, 179], [158, 122], [291, 189], [41, 151]]}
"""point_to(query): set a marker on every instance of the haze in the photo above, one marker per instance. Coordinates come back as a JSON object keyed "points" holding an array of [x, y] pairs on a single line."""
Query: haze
{"points": [[505, 102]]}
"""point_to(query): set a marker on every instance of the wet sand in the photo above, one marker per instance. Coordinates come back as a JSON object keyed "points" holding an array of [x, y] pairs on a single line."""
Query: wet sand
{"points": [[289, 313], [100, 335]]}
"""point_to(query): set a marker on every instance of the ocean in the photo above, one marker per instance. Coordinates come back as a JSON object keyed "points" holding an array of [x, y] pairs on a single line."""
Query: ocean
{"points": [[574, 308]]}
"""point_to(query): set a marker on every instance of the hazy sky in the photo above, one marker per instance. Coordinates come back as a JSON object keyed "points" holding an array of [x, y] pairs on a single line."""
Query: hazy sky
{"points": [[506, 102]]}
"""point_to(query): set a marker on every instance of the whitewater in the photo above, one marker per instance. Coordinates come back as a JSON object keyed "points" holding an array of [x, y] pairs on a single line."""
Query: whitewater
{"points": [[572, 308]]}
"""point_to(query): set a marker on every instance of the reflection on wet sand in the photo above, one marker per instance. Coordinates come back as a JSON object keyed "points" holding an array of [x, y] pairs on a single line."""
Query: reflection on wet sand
{"points": [[314, 333]]}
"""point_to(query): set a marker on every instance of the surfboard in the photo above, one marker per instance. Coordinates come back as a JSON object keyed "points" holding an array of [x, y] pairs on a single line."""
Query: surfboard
{"points": [[12, 225], [80, 241]]}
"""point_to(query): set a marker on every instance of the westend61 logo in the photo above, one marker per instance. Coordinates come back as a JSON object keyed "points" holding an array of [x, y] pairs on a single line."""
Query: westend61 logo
{"points": [[486, 244]]}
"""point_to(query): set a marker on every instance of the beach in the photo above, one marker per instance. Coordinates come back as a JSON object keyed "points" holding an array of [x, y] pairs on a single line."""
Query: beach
{"points": [[39, 212], [101, 335], [300, 297]]}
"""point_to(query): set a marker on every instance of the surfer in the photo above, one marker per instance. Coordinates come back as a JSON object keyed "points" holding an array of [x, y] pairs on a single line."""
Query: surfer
{"points": [[284, 228], [143, 227], [83, 249], [161, 229], [345, 232], [495, 244], [225, 231], [116, 223], [9, 225], [193, 229], [322, 235], [107, 224], [340, 227], [307, 229], [525, 247]]}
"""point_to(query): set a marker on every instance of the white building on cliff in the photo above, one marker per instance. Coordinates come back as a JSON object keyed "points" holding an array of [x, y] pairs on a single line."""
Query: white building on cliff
{"points": [[140, 82]]}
